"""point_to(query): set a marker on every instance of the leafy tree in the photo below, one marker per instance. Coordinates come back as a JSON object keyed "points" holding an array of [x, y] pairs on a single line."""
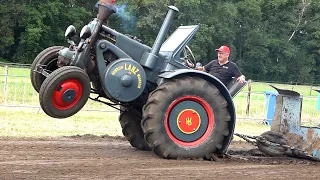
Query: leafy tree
{"points": [[271, 40]]}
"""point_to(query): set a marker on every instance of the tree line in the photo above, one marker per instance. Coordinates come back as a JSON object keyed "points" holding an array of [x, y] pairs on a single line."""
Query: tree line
{"points": [[270, 40]]}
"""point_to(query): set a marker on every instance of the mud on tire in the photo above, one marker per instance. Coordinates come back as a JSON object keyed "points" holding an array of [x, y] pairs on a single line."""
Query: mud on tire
{"points": [[185, 100], [130, 120], [48, 58]]}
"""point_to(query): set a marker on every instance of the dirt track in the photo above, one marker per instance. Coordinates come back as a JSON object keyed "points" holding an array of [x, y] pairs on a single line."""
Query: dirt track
{"points": [[91, 157]]}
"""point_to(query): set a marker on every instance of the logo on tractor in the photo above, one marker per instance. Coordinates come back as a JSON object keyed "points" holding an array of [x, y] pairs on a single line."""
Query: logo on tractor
{"points": [[139, 81], [114, 72], [128, 69], [188, 121], [131, 68]]}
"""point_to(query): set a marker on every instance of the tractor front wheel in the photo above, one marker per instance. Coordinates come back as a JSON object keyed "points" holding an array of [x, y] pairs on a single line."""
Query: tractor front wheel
{"points": [[186, 117], [47, 59], [64, 92]]}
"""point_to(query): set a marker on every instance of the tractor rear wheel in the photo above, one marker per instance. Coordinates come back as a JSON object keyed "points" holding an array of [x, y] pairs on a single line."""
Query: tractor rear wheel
{"points": [[64, 92], [130, 120], [48, 59], [186, 117]]}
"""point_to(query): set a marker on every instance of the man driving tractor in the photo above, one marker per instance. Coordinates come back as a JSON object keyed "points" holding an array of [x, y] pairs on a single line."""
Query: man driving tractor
{"points": [[222, 68]]}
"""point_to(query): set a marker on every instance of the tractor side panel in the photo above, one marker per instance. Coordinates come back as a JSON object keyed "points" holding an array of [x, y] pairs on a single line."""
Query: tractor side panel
{"points": [[224, 91], [131, 47]]}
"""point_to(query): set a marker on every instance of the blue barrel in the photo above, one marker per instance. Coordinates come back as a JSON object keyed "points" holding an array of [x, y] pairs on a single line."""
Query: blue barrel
{"points": [[271, 105]]}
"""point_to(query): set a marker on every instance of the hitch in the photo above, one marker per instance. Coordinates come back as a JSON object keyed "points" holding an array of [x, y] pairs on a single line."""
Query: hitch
{"points": [[273, 144], [41, 70]]}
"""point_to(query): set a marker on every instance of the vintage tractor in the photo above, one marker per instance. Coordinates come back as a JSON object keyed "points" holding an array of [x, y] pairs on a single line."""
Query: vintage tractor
{"points": [[166, 106]]}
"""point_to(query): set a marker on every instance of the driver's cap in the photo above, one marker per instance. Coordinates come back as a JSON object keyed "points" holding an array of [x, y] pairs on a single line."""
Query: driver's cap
{"points": [[223, 49]]}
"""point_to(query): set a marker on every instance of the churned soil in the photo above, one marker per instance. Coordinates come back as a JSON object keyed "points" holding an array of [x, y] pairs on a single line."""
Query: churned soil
{"points": [[103, 157]]}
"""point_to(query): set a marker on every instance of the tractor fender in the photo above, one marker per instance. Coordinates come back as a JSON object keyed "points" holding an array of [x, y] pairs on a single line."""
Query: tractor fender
{"points": [[224, 91]]}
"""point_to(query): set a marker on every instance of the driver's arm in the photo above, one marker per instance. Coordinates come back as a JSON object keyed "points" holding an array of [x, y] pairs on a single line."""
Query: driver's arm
{"points": [[205, 68], [241, 79], [236, 72], [201, 68]]}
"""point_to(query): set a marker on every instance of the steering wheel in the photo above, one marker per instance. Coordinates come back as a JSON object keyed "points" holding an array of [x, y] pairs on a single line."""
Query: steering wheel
{"points": [[188, 57]]}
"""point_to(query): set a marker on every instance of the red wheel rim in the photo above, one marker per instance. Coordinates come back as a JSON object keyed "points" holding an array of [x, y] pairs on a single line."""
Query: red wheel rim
{"points": [[68, 85], [210, 121]]}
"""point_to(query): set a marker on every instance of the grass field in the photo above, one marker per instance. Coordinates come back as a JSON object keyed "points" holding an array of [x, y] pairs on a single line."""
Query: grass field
{"points": [[35, 123], [32, 122], [257, 87], [17, 122]]}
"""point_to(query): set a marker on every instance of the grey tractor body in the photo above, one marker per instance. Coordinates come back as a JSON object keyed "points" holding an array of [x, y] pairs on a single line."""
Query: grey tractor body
{"points": [[129, 73]]}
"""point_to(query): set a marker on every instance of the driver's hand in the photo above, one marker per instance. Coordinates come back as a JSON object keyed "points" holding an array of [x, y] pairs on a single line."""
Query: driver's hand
{"points": [[200, 68], [241, 79], [189, 63]]}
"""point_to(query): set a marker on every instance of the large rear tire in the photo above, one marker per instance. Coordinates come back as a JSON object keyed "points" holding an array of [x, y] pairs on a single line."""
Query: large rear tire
{"points": [[64, 92], [48, 59], [130, 120], [186, 117]]}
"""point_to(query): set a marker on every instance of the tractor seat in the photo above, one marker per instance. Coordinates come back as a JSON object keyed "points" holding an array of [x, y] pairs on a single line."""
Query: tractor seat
{"points": [[235, 87]]}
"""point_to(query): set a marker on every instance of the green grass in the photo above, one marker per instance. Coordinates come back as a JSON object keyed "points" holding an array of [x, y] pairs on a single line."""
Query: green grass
{"points": [[34, 123], [303, 90], [30, 122], [17, 122], [16, 71], [20, 91], [258, 100], [251, 127]]}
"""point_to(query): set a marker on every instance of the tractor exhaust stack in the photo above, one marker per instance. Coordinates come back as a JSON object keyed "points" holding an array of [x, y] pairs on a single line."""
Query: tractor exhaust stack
{"points": [[149, 59], [105, 9]]}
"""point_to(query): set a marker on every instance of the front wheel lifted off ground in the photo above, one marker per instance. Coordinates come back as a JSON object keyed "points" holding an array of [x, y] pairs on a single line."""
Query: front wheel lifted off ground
{"points": [[186, 117], [64, 92], [47, 59]]}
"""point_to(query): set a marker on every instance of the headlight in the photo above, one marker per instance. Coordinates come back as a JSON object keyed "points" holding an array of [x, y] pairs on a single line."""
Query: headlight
{"points": [[70, 32], [85, 32]]}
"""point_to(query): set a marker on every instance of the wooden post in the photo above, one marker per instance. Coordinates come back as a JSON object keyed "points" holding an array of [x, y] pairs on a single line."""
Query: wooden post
{"points": [[248, 98], [5, 79], [6, 69]]}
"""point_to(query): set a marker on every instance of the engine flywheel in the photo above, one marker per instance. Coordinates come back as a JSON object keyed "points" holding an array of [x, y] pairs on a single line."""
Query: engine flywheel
{"points": [[125, 80]]}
